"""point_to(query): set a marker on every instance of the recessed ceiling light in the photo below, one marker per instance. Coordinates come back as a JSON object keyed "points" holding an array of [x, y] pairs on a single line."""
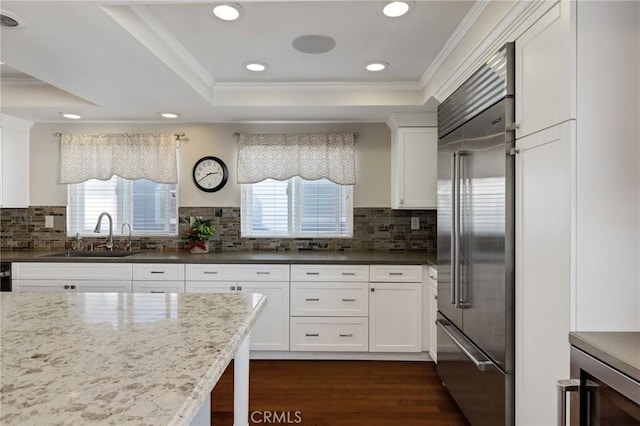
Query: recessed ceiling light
{"points": [[70, 115], [395, 9], [255, 66], [377, 66], [227, 11], [169, 114], [10, 20]]}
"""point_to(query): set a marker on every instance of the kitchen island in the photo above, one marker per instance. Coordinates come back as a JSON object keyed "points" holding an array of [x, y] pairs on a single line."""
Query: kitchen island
{"points": [[106, 358]]}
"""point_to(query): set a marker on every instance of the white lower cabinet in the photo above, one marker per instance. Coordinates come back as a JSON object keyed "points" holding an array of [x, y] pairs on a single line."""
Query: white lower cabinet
{"points": [[158, 278], [329, 308], [72, 277], [395, 311], [271, 330], [323, 334], [433, 313]]}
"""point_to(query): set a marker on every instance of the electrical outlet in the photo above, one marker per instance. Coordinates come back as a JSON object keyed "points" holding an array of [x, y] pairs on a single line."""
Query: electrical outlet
{"points": [[48, 221], [415, 223]]}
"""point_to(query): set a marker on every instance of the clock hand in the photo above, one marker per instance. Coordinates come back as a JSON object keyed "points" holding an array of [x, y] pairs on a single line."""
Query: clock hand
{"points": [[205, 176], [208, 174]]}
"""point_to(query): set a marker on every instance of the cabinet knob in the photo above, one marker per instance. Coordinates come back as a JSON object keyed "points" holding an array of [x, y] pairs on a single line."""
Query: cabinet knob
{"points": [[239, 288], [67, 286], [373, 290]]}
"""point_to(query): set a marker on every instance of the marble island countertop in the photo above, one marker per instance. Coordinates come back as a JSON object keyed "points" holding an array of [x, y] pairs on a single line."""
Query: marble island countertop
{"points": [[138, 359], [299, 257]]}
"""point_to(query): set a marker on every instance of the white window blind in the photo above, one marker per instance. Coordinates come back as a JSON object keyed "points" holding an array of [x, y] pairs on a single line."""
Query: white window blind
{"points": [[150, 208], [297, 208]]}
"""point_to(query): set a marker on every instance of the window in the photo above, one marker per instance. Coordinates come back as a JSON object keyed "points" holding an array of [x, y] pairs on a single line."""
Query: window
{"points": [[297, 208], [150, 208]]}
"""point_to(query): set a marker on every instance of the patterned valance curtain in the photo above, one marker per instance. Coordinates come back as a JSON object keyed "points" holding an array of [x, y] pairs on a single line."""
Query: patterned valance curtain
{"points": [[312, 156], [128, 155]]}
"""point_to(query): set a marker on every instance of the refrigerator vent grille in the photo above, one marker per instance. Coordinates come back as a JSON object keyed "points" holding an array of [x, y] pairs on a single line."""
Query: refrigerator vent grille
{"points": [[484, 88]]}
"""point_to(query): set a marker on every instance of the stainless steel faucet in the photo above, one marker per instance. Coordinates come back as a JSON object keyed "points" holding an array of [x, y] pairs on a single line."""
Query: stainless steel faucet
{"points": [[109, 244], [128, 246]]}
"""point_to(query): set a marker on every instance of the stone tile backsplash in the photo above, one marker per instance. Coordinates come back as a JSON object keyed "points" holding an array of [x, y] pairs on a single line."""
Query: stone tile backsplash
{"points": [[374, 229]]}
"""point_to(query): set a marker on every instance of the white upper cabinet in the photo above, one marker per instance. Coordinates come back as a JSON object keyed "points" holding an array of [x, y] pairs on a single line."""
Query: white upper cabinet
{"points": [[14, 159], [545, 71], [414, 152]]}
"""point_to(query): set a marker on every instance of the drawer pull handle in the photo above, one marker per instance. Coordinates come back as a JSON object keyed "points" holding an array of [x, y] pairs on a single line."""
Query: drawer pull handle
{"points": [[239, 288], [348, 300], [395, 273], [157, 272], [311, 334], [346, 334], [348, 273], [312, 299], [157, 291], [73, 287], [313, 273], [210, 272], [67, 287], [263, 273], [433, 278], [233, 288]]}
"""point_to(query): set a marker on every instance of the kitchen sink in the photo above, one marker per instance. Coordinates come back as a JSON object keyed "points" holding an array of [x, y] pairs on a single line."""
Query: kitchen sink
{"points": [[92, 254]]}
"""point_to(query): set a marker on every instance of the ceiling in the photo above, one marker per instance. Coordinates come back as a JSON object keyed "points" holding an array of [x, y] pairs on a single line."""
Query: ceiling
{"points": [[119, 61]]}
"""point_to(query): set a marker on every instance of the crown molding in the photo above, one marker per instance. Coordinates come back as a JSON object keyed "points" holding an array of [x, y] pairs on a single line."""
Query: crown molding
{"points": [[11, 121], [518, 14], [461, 30], [408, 119]]}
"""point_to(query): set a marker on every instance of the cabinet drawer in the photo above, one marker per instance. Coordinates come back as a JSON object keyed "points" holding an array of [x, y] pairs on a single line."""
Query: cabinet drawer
{"points": [[329, 334], [158, 271], [329, 299], [233, 272], [396, 273], [78, 271], [210, 286], [329, 273], [73, 286], [158, 286]]}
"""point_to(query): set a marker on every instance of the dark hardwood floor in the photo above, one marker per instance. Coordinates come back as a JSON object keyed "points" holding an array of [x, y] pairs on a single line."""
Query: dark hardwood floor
{"points": [[339, 393]]}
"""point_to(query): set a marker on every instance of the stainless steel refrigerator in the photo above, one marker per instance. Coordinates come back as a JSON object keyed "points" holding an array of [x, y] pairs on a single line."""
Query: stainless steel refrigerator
{"points": [[476, 243]]}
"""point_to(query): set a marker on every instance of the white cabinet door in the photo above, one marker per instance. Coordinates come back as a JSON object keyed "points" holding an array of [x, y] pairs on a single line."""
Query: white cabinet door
{"points": [[543, 270], [14, 162], [545, 71], [271, 330], [414, 153], [433, 313], [395, 317]]}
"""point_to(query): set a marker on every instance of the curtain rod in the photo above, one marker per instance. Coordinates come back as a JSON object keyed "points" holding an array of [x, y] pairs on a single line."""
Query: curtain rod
{"points": [[177, 135], [355, 134]]}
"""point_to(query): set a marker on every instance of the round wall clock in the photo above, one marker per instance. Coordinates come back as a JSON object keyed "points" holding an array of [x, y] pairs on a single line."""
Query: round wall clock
{"points": [[210, 174]]}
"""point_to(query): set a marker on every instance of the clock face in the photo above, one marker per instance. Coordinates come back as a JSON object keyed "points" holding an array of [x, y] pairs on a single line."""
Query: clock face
{"points": [[210, 174]]}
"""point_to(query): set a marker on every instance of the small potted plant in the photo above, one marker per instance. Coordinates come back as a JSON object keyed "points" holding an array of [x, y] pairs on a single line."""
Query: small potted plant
{"points": [[198, 235]]}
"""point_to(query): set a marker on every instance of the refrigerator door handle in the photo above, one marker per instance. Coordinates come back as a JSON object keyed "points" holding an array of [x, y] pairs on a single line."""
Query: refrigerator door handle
{"points": [[485, 365], [454, 227], [457, 219]]}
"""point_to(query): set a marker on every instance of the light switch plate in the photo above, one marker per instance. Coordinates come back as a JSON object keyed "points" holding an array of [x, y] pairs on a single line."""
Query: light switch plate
{"points": [[48, 221], [415, 223]]}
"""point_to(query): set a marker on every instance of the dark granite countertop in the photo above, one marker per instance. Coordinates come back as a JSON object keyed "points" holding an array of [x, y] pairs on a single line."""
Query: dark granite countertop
{"points": [[349, 258], [620, 350]]}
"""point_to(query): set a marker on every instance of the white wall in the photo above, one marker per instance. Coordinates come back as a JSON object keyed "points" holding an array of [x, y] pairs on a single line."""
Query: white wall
{"points": [[608, 173], [373, 157]]}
